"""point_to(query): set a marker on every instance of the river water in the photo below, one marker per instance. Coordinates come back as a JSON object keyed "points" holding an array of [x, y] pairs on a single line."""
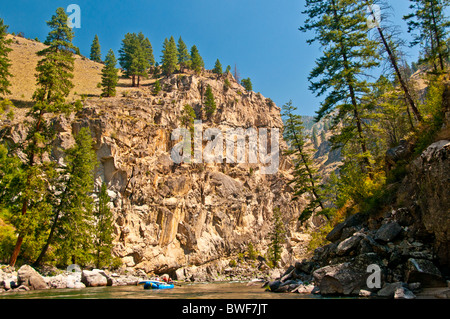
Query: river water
{"points": [[228, 290]]}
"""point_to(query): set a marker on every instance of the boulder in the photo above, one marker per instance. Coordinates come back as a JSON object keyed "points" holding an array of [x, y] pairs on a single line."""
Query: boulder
{"points": [[425, 272], [95, 278], [305, 289], [334, 284], [345, 278], [404, 293], [388, 232], [395, 154], [274, 285], [73, 282], [58, 281], [365, 293], [336, 233], [389, 289], [22, 288], [8, 283], [304, 266], [347, 228], [27, 276], [348, 244], [180, 274]]}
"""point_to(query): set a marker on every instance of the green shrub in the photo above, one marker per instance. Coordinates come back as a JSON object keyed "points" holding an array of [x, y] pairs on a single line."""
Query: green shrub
{"points": [[7, 241], [252, 253], [156, 88]]}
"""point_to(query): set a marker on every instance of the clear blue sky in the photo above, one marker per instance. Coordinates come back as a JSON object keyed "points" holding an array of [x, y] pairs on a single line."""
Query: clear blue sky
{"points": [[260, 36]]}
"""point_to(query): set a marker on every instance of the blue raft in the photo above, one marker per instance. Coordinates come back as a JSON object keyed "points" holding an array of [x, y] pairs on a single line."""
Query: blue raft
{"points": [[154, 284]]}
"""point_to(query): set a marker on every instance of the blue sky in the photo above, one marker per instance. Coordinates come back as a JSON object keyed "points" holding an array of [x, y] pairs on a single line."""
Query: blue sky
{"points": [[260, 36]]}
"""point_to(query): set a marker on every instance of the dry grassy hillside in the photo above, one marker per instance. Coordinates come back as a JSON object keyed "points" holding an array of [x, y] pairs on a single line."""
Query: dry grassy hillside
{"points": [[24, 60]]}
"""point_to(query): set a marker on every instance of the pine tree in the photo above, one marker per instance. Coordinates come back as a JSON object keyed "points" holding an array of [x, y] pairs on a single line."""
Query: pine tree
{"points": [[428, 24], [197, 63], [340, 26], [391, 50], [148, 49], [183, 55], [54, 74], [110, 75], [247, 84], [277, 238], [305, 177], [217, 68], [169, 57], [104, 230], [95, 50], [126, 53], [73, 205], [228, 69], [156, 87], [136, 56], [188, 117], [315, 138], [4, 60], [142, 58], [210, 102], [18, 182], [12, 178], [55, 69]]}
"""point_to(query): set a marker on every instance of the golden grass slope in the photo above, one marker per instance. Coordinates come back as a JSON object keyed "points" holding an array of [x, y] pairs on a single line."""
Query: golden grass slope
{"points": [[87, 73], [24, 60]]}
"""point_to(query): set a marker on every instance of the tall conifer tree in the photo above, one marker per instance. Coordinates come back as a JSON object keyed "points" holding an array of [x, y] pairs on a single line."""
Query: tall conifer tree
{"points": [[5, 63], [428, 24], [104, 230], [277, 237], [72, 207], [392, 51], [305, 176], [136, 56], [340, 27], [197, 63], [218, 68], [183, 55], [109, 75], [95, 50], [247, 84], [54, 82], [169, 57], [210, 102]]}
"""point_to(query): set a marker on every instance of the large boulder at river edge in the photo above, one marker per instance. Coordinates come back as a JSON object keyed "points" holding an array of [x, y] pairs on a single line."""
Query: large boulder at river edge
{"points": [[95, 278], [345, 278], [30, 278]]}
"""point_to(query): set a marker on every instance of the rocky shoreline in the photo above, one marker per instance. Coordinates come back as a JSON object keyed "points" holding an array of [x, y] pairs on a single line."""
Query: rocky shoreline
{"points": [[345, 280], [296, 279], [27, 278]]}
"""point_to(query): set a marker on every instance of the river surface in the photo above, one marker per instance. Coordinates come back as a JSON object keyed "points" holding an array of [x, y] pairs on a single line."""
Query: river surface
{"points": [[229, 290]]}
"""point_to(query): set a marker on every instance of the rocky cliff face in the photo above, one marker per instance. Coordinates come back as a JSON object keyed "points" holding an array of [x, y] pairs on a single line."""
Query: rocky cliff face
{"points": [[178, 217], [427, 185]]}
